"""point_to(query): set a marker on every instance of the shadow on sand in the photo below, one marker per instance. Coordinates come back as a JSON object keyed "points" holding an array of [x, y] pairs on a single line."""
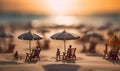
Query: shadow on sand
{"points": [[9, 63], [115, 62], [69, 61], [61, 67], [94, 54], [32, 62]]}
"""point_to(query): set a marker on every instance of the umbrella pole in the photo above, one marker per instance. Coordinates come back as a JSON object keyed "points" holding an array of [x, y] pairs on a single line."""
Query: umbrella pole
{"points": [[64, 46], [30, 46], [64, 43]]}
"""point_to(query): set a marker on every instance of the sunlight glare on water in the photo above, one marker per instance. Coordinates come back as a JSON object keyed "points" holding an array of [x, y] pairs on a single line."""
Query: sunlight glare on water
{"points": [[66, 20]]}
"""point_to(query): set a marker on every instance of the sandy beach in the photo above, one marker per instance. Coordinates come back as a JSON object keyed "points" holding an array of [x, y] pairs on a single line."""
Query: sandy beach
{"points": [[59, 35], [84, 62]]}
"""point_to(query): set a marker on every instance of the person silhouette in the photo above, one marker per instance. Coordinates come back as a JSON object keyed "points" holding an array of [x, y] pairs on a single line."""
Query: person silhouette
{"points": [[58, 54], [105, 51], [16, 55], [69, 52]]}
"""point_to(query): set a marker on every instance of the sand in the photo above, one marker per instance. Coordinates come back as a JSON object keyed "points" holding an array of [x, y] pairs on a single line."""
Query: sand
{"points": [[84, 62]]}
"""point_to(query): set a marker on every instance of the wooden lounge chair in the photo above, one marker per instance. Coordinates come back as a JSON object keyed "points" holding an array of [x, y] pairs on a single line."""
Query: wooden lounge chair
{"points": [[33, 56], [11, 48], [71, 56], [1, 50], [112, 54]]}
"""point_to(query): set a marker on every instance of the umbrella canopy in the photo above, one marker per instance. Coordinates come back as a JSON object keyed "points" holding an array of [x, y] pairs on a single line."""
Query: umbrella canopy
{"points": [[29, 36], [84, 30], [65, 36], [43, 30], [114, 41], [6, 35], [93, 34]]}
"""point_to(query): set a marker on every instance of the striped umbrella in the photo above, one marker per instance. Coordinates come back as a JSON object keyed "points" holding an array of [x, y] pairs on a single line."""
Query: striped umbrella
{"points": [[6, 35], [65, 36], [114, 41], [29, 36]]}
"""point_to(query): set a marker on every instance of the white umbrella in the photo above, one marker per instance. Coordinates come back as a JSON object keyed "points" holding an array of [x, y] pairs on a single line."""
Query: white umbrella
{"points": [[29, 36], [65, 36]]}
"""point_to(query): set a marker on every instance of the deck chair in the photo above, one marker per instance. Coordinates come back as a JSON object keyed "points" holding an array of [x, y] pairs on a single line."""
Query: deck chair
{"points": [[33, 56], [112, 54], [11, 48], [72, 55]]}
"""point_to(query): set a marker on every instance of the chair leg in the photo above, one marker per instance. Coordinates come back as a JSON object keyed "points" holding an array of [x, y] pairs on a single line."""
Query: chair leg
{"points": [[26, 59], [117, 58], [39, 58], [30, 58], [59, 58]]}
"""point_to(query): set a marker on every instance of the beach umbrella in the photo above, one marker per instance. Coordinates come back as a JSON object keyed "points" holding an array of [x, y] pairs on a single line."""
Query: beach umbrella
{"points": [[93, 34], [65, 36], [29, 36], [105, 26], [84, 30], [110, 33], [6, 35], [114, 41], [43, 31]]}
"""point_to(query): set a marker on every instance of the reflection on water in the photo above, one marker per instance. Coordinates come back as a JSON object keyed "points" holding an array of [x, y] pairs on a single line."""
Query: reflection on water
{"points": [[61, 20], [78, 20]]}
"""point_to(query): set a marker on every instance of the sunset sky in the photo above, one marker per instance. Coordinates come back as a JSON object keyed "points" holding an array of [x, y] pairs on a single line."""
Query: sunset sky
{"points": [[59, 7]]}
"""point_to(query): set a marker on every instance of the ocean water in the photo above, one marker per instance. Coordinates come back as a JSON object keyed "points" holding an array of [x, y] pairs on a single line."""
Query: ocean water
{"points": [[60, 20]]}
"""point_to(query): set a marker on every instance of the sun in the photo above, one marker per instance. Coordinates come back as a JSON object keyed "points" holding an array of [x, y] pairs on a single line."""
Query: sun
{"points": [[59, 6]]}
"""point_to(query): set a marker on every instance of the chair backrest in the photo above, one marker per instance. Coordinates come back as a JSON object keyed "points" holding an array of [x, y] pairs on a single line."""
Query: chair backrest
{"points": [[35, 53], [11, 48], [114, 51], [73, 50]]}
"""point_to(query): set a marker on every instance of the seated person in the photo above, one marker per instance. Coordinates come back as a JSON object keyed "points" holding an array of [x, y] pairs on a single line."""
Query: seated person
{"points": [[36, 51], [16, 55], [69, 51], [63, 58], [38, 48]]}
